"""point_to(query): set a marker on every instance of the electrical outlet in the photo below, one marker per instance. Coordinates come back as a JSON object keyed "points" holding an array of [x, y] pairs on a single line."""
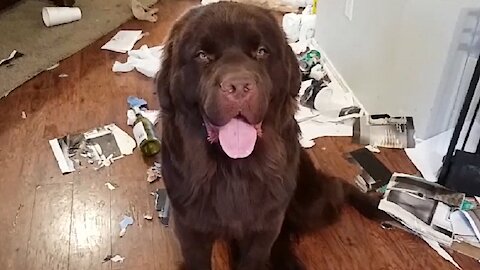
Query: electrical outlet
{"points": [[349, 9]]}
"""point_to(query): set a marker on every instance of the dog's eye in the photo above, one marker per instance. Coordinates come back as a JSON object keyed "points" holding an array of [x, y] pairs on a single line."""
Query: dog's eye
{"points": [[202, 56], [262, 52]]}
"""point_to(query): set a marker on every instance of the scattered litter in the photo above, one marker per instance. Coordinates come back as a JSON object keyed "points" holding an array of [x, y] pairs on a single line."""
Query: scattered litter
{"points": [[145, 60], [374, 174], [116, 259], [123, 41], [147, 217], [63, 75], [436, 246], [298, 27], [384, 131], [154, 173], [111, 186], [126, 221], [135, 102], [53, 67], [162, 206], [144, 13], [372, 148], [59, 15], [312, 129], [24, 115], [13, 55], [432, 212], [101, 145]]}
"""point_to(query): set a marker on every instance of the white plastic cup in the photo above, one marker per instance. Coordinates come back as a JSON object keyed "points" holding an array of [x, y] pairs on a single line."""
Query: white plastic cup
{"points": [[59, 15]]}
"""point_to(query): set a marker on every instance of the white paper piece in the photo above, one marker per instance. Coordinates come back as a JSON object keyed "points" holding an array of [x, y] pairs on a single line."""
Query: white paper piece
{"points": [[123, 41], [151, 115], [65, 164], [110, 186], [460, 224], [125, 143], [145, 60], [436, 246], [53, 67], [12, 54], [312, 130], [372, 148], [117, 258], [475, 229]]}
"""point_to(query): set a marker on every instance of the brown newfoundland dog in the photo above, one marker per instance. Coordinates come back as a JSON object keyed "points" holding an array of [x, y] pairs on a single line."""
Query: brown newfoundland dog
{"points": [[232, 162]]}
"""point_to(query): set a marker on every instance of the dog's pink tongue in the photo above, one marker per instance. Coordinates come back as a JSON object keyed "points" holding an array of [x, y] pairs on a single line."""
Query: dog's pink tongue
{"points": [[237, 138]]}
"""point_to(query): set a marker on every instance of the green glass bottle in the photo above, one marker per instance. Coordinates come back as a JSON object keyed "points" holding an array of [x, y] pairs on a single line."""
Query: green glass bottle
{"points": [[144, 133]]}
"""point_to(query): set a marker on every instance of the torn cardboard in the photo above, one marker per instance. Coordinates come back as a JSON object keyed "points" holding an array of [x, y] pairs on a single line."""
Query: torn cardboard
{"points": [[98, 147], [384, 131]]}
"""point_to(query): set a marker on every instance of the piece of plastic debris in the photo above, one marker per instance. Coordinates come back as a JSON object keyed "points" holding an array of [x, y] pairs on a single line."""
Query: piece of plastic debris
{"points": [[117, 258], [154, 173], [24, 115], [126, 221], [13, 55], [147, 217], [63, 75], [136, 102], [111, 186], [372, 148], [145, 60], [123, 41], [436, 246], [53, 67], [144, 13]]}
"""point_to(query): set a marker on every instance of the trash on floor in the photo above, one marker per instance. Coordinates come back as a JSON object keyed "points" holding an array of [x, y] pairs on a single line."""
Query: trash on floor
{"points": [[111, 186], [382, 130], [434, 213], [147, 217], [374, 175], [123, 41], [298, 27], [53, 16], [162, 206], [53, 67], [24, 115], [13, 55], [144, 13], [114, 258], [145, 60], [372, 148], [144, 134], [63, 75], [126, 221], [151, 115], [428, 154], [312, 129], [98, 147], [154, 173]]}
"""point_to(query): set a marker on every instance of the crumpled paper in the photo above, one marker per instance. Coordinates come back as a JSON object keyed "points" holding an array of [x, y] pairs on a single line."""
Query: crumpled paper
{"points": [[298, 27], [145, 60], [144, 13]]}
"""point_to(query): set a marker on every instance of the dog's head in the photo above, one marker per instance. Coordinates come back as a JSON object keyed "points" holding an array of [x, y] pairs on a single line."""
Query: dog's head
{"points": [[230, 65]]}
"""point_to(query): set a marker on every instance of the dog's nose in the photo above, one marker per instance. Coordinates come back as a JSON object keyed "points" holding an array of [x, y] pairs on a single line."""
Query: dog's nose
{"points": [[238, 87]]}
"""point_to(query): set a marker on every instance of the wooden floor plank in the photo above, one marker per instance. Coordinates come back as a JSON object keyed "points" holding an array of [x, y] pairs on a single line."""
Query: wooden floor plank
{"points": [[49, 241]]}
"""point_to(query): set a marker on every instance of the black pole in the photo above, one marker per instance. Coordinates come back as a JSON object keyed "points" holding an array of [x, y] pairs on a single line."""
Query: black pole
{"points": [[471, 125], [461, 120]]}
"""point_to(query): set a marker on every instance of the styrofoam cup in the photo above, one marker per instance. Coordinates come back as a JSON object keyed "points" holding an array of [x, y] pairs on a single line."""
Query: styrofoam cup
{"points": [[59, 15]]}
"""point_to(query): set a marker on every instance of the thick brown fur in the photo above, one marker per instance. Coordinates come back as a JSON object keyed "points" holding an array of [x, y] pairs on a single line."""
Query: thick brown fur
{"points": [[261, 203]]}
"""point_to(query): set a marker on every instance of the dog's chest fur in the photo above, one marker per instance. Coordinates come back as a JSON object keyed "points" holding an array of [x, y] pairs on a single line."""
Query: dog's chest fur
{"points": [[215, 194]]}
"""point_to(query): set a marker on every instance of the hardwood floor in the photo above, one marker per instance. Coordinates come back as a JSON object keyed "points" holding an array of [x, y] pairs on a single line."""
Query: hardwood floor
{"points": [[54, 221]]}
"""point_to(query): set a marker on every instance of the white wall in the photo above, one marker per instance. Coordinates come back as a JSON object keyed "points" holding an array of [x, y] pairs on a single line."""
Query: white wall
{"points": [[403, 57]]}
